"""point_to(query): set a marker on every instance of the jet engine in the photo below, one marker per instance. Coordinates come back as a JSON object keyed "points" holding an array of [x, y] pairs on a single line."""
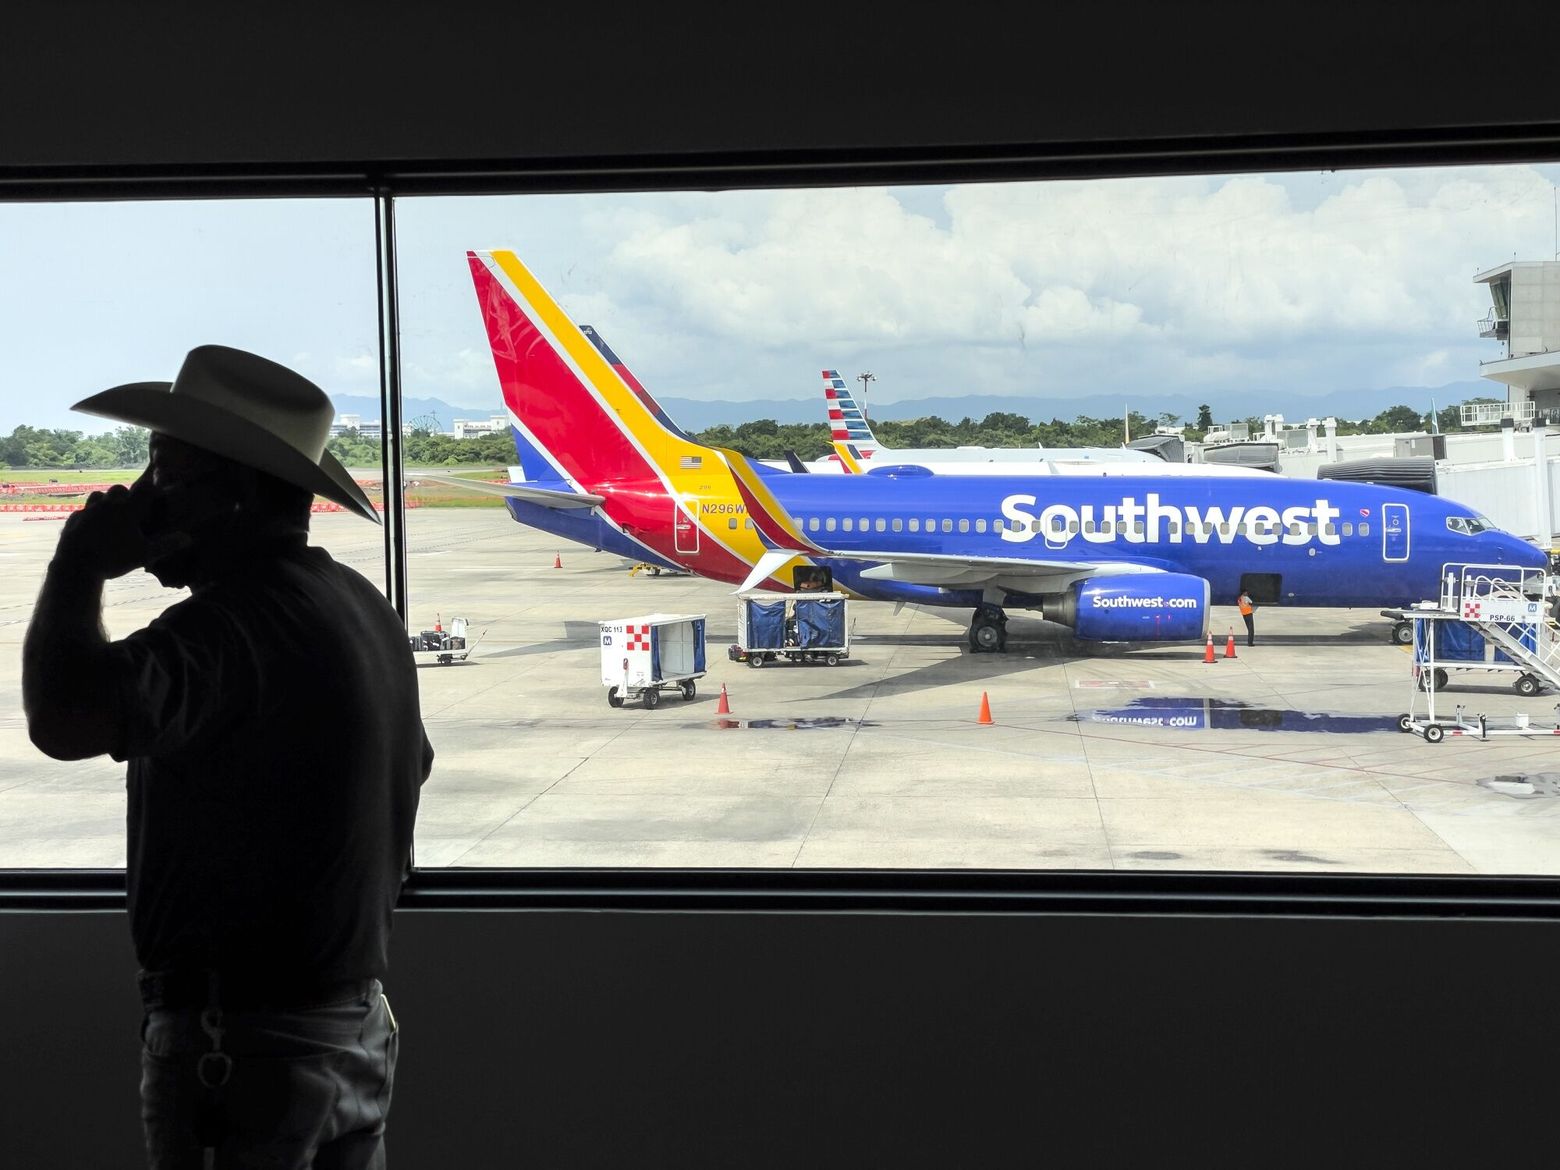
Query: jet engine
{"points": [[1151, 607]]}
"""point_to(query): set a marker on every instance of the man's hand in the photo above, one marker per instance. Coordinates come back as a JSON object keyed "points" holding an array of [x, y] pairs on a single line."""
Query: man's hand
{"points": [[104, 539]]}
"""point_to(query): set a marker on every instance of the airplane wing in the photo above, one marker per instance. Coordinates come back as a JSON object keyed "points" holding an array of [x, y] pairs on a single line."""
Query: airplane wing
{"points": [[1019, 574], [520, 491]]}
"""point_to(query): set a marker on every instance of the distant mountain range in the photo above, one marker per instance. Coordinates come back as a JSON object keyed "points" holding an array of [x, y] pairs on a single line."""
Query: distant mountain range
{"points": [[695, 415]]}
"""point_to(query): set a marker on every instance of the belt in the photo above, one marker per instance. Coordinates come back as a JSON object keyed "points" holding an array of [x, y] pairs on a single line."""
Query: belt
{"points": [[235, 991]]}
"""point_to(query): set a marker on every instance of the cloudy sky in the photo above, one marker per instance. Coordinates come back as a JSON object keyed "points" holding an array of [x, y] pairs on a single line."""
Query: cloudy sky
{"points": [[1305, 283]]}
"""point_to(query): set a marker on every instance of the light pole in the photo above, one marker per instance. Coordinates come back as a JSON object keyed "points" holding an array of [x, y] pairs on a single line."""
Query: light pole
{"points": [[864, 379]]}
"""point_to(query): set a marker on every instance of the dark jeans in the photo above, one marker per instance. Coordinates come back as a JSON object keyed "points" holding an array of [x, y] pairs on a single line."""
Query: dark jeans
{"points": [[306, 1087], [1251, 629]]}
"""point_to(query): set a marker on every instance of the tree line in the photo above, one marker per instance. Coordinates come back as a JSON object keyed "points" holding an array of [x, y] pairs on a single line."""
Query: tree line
{"points": [[30, 447]]}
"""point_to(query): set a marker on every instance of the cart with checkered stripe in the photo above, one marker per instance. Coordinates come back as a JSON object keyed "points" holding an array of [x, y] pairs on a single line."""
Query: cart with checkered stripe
{"points": [[641, 656]]}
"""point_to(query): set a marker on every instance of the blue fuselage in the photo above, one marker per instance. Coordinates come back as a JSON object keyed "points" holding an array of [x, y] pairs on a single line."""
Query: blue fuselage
{"points": [[1330, 543]]}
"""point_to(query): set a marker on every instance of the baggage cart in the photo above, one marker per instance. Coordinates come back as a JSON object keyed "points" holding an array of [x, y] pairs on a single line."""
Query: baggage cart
{"points": [[809, 626], [642, 656], [440, 646]]}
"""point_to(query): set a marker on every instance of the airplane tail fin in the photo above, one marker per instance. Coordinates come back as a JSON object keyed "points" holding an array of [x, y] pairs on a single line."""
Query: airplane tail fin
{"points": [[589, 419], [565, 392], [846, 422]]}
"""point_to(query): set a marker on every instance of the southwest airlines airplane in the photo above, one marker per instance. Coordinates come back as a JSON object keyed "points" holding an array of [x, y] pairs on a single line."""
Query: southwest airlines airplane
{"points": [[1134, 558]]}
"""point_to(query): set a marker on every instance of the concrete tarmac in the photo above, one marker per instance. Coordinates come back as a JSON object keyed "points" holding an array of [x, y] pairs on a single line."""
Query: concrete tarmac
{"points": [[1286, 757]]}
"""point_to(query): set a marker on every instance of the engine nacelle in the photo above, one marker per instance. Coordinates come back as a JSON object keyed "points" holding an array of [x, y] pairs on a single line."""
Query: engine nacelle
{"points": [[1152, 607]]}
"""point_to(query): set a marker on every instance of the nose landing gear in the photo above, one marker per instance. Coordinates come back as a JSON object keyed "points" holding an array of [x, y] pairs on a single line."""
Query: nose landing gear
{"points": [[988, 629]]}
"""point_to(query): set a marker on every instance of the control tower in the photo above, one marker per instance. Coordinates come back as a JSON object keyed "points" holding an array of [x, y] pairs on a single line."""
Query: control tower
{"points": [[1525, 316]]}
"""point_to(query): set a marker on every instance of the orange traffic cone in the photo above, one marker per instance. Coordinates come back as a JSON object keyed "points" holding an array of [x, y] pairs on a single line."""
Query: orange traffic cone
{"points": [[438, 626], [723, 707], [557, 561], [1208, 653], [985, 709], [1229, 646]]}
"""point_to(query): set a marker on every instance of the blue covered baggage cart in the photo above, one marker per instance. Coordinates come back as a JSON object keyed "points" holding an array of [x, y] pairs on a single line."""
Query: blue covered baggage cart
{"points": [[641, 656], [793, 627]]}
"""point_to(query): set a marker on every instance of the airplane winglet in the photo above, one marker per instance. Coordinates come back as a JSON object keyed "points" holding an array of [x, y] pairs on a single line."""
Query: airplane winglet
{"points": [[768, 565], [846, 453]]}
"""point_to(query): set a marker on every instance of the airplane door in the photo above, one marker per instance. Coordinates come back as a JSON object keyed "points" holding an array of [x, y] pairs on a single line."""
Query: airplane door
{"points": [[685, 533], [1394, 532]]}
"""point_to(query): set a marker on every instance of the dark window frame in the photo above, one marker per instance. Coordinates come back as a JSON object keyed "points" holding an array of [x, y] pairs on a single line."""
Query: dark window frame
{"points": [[774, 890]]}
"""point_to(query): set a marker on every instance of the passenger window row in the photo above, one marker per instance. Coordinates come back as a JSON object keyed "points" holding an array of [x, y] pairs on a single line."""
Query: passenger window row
{"points": [[1106, 527]]}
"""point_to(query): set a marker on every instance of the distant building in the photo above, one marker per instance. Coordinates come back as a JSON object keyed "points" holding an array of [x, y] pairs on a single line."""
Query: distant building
{"points": [[467, 428], [1525, 315], [372, 429]]}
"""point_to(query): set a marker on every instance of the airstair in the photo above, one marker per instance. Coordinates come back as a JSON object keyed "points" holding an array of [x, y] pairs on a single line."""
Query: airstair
{"points": [[1487, 618], [1511, 609]]}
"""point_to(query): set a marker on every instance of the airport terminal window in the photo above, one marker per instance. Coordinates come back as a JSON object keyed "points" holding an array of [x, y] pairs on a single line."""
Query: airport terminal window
{"points": [[147, 281], [1232, 282]]}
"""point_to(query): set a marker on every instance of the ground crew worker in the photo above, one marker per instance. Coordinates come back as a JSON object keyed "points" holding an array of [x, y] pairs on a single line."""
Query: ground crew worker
{"points": [[1247, 608]]}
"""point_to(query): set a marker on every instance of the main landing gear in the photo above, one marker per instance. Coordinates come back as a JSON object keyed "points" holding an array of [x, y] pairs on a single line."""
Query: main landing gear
{"points": [[988, 629]]}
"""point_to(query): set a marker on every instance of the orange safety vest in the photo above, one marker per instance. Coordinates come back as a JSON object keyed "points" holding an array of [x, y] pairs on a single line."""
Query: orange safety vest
{"points": [[1245, 605]]}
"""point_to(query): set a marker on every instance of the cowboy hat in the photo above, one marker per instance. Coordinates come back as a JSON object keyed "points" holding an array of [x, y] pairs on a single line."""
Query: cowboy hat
{"points": [[246, 408]]}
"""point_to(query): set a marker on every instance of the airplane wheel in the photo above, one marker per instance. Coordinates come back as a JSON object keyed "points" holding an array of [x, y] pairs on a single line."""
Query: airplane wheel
{"points": [[1440, 679], [1403, 634], [689, 690], [755, 660], [1527, 685], [1403, 722], [652, 698], [614, 698], [832, 659], [1434, 734], [986, 636]]}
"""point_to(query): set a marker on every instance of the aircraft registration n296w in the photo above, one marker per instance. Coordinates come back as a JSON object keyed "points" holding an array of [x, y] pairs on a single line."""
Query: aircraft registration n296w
{"points": [[1129, 558]]}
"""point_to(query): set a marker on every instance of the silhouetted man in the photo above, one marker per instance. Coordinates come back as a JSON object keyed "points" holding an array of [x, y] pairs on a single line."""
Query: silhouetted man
{"points": [[276, 751]]}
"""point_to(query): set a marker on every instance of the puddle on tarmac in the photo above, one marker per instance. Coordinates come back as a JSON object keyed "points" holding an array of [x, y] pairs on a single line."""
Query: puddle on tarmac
{"points": [[1524, 786], [791, 724], [1229, 715]]}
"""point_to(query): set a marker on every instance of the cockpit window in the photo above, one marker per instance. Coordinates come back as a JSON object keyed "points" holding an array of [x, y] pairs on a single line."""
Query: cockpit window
{"points": [[1469, 525]]}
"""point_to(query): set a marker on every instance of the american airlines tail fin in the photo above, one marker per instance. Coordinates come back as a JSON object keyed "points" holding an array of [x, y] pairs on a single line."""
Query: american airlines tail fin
{"points": [[846, 422]]}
